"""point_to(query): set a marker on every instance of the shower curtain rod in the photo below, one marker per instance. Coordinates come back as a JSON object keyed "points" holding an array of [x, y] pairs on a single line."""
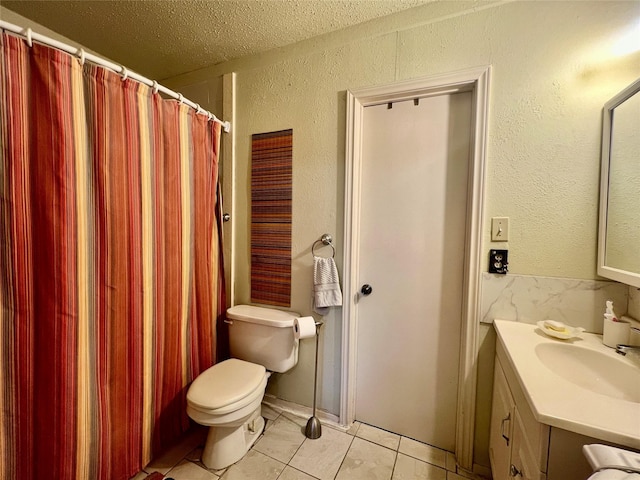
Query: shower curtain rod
{"points": [[83, 56]]}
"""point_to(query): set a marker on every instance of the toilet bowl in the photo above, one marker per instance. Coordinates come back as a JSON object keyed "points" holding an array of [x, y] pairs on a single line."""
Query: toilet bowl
{"points": [[227, 397]]}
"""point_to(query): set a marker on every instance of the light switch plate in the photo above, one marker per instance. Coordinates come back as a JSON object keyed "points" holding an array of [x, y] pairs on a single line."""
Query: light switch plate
{"points": [[500, 229]]}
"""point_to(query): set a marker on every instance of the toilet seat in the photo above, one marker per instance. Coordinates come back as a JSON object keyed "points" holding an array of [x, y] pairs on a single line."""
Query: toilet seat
{"points": [[227, 386]]}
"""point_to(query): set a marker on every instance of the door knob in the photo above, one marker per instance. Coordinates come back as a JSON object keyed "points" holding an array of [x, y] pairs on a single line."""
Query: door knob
{"points": [[366, 289]]}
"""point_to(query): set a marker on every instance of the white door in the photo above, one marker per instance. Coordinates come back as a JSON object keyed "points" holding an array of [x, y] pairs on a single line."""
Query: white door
{"points": [[415, 173]]}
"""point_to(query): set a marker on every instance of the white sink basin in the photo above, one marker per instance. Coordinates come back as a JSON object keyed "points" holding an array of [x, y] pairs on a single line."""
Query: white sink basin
{"points": [[580, 386], [591, 370]]}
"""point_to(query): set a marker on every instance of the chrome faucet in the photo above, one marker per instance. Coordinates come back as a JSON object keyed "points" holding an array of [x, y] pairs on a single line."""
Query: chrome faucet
{"points": [[624, 349]]}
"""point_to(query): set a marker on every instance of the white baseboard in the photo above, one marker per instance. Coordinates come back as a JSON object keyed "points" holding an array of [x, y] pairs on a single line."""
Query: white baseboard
{"points": [[283, 406]]}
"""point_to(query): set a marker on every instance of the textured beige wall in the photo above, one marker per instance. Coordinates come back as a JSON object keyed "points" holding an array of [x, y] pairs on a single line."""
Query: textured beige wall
{"points": [[12, 17], [552, 71]]}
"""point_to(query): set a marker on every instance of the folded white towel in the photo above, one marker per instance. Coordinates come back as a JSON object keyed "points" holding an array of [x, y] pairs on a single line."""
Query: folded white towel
{"points": [[326, 285]]}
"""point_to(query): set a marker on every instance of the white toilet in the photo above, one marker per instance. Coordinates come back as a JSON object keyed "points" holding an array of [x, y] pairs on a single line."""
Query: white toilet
{"points": [[227, 396], [612, 463]]}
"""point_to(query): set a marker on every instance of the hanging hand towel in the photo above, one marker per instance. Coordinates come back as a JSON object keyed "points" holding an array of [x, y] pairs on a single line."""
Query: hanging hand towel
{"points": [[326, 285]]}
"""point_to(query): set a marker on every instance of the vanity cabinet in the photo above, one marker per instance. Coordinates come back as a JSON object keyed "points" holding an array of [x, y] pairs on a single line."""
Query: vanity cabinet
{"points": [[501, 432], [540, 421], [523, 457], [518, 444]]}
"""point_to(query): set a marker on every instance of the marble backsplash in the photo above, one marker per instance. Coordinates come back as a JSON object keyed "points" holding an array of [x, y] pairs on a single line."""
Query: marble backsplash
{"points": [[528, 299], [634, 303]]}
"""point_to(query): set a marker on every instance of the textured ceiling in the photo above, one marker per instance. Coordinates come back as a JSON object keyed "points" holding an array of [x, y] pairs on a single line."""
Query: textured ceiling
{"points": [[164, 38]]}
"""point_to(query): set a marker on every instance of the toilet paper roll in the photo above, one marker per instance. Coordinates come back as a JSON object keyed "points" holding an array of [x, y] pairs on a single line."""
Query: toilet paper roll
{"points": [[304, 327]]}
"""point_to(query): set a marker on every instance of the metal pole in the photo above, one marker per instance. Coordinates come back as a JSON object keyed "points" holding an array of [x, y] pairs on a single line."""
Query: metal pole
{"points": [[314, 427]]}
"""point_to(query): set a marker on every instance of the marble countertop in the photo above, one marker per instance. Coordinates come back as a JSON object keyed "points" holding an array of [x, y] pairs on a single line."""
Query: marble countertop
{"points": [[560, 403]]}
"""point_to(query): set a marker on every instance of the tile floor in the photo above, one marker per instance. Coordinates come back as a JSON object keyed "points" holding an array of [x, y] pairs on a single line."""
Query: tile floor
{"points": [[284, 453]]}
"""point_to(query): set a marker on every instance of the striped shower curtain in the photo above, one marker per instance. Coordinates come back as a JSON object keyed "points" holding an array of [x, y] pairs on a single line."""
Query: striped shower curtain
{"points": [[110, 277]]}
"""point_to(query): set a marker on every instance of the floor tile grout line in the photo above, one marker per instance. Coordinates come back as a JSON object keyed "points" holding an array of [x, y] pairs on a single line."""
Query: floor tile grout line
{"points": [[288, 463], [297, 470], [395, 462], [345, 456], [297, 450], [396, 451], [356, 434], [372, 443], [380, 444]]}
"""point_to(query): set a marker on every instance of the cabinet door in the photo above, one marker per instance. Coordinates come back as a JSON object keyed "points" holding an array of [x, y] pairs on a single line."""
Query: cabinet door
{"points": [[523, 461], [502, 415]]}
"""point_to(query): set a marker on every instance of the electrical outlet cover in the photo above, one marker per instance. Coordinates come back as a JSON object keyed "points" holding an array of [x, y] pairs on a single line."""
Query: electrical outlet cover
{"points": [[498, 261]]}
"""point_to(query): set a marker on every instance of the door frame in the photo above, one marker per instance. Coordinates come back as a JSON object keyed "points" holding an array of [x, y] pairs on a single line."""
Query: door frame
{"points": [[477, 81]]}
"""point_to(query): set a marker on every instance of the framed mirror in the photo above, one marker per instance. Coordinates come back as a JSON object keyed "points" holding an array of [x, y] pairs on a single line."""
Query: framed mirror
{"points": [[619, 226]]}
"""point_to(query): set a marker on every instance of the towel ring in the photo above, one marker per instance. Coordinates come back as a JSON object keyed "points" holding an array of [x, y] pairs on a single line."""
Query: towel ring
{"points": [[325, 240]]}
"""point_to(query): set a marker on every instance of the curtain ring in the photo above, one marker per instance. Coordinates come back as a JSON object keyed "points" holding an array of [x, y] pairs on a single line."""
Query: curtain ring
{"points": [[81, 57], [180, 98], [29, 39], [198, 108], [156, 87], [125, 72], [209, 116]]}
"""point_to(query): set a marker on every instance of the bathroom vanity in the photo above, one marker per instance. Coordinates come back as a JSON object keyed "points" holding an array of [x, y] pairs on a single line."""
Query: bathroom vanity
{"points": [[551, 397]]}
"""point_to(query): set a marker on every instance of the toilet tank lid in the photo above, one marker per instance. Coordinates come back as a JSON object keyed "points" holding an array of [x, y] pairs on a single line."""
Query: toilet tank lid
{"points": [[262, 315]]}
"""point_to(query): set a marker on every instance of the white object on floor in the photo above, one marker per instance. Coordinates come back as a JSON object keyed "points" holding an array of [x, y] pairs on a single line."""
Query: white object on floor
{"points": [[609, 474], [611, 463]]}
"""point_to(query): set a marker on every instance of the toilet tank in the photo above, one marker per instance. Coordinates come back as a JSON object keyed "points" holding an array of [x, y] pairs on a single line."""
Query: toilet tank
{"points": [[263, 336]]}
